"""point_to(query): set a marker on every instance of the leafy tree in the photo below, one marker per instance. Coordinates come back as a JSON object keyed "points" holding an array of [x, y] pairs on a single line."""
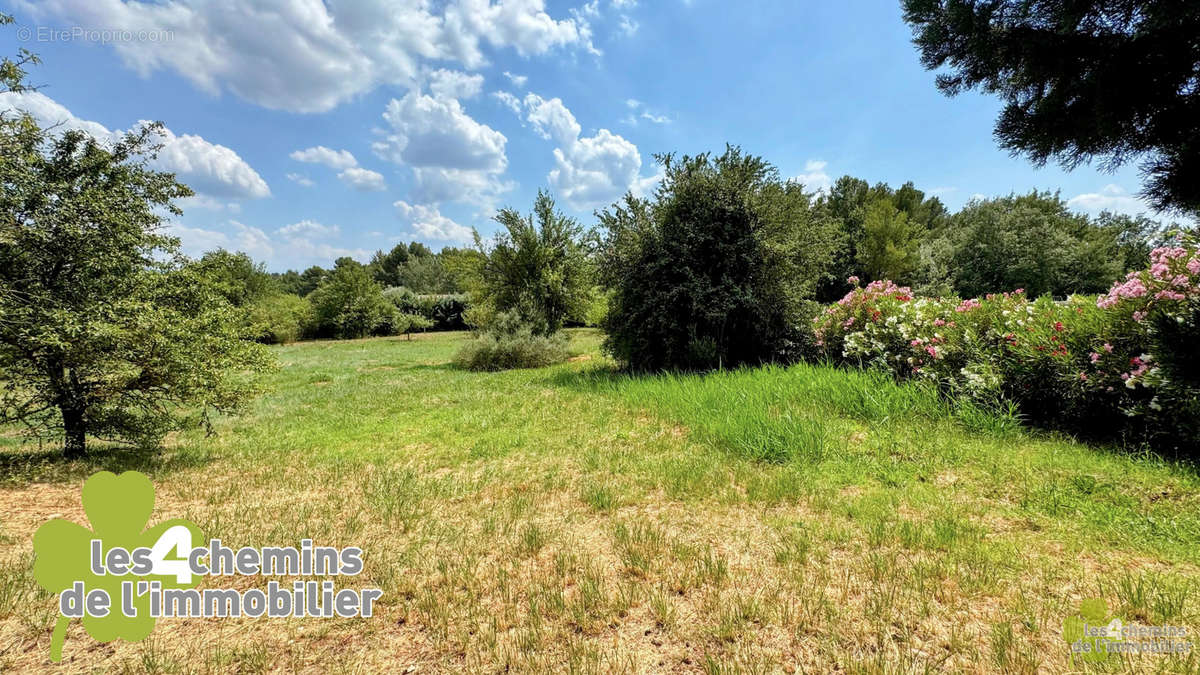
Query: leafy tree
{"points": [[12, 70], [237, 276], [279, 318], [717, 270], [418, 250], [313, 277], [1091, 79], [104, 330], [426, 274], [415, 267], [1033, 242], [464, 266], [386, 267], [349, 303], [847, 203], [889, 247], [406, 324], [289, 282], [1133, 237], [538, 267]]}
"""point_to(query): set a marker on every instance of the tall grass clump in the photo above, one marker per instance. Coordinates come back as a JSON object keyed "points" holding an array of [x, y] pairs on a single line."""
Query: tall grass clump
{"points": [[777, 414]]}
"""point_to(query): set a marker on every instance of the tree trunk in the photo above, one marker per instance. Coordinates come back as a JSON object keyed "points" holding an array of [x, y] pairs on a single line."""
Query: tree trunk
{"points": [[75, 446]]}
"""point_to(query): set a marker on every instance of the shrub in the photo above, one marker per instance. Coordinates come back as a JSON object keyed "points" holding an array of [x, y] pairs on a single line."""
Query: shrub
{"points": [[715, 270], [511, 343], [403, 299], [1123, 363], [279, 319], [478, 316]]}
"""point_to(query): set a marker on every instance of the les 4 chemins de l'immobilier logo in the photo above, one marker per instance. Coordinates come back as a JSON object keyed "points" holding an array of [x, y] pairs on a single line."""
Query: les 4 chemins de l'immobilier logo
{"points": [[119, 577]]}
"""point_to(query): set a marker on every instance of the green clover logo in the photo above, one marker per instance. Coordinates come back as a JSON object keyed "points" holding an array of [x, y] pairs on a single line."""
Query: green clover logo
{"points": [[118, 508], [1091, 618]]}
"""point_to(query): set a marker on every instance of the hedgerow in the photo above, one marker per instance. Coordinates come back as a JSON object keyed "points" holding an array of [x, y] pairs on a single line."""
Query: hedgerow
{"points": [[1120, 364]]}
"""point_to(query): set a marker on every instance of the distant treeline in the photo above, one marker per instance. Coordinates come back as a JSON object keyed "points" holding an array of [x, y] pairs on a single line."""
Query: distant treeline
{"points": [[855, 229]]}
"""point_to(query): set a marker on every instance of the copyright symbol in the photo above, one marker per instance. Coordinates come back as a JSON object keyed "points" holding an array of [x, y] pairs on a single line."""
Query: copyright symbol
{"points": [[24, 34]]}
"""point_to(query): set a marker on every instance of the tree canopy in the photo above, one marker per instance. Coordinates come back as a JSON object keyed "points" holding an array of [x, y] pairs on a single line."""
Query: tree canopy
{"points": [[104, 328], [1111, 80], [537, 267], [715, 270]]}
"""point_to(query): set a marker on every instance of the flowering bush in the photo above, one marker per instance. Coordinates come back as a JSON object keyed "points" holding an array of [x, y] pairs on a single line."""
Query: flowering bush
{"points": [[1093, 364]]}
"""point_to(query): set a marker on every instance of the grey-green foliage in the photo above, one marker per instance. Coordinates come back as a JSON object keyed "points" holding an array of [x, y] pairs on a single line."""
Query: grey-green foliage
{"points": [[510, 342], [104, 328], [538, 267]]}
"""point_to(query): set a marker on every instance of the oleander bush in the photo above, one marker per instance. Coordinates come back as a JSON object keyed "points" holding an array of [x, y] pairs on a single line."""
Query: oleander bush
{"points": [[1123, 363]]}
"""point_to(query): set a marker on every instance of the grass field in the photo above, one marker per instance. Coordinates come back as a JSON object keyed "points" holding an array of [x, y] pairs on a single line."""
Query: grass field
{"points": [[573, 519]]}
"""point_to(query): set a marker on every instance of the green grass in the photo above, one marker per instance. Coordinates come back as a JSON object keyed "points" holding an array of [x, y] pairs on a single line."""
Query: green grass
{"points": [[572, 517]]}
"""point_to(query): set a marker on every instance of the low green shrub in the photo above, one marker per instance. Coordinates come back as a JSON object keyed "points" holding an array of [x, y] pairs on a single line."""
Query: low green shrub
{"points": [[279, 318], [509, 343]]}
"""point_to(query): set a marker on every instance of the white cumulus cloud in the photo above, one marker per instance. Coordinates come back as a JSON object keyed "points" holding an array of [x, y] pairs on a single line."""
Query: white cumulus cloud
{"points": [[334, 159], [208, 168], [1111, 198], [427, 222], [453, 156], [814, 177], [311, 55], [363, 179], [589, 171]]}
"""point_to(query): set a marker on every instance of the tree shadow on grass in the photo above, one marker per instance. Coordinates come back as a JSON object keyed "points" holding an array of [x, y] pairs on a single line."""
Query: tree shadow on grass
{"points": [[592, 379], [29, 463]]}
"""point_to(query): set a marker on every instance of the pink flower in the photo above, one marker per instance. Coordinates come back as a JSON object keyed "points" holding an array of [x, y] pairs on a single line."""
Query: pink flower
{"points": [[1139, 316], [1083, 377], [932, 351], [1094, 356], [848, 322], [1058, 326], [853, 280], [967, 305], [1194, 265], [939, 322], [915, 343], [1107, 347]]}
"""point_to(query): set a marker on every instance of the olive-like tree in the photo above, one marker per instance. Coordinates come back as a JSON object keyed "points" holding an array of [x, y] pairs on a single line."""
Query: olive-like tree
{"points": [[538, 267]]}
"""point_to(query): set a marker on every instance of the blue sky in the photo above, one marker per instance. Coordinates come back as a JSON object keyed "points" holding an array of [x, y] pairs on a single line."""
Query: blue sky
{"points": [[315, 129]]}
